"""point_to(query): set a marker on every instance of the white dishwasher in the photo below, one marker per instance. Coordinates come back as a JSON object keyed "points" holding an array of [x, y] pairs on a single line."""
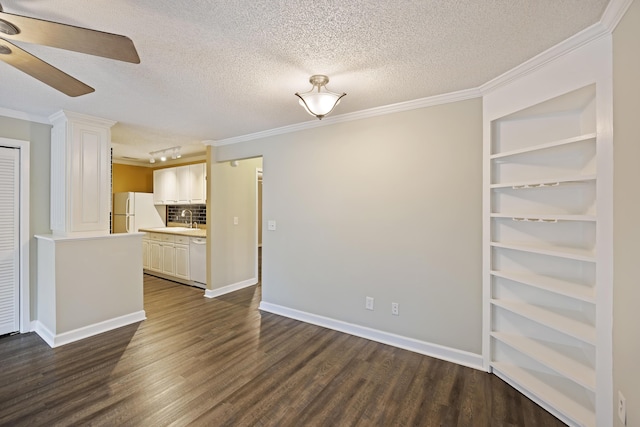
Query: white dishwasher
{"points": [[197, 259]]}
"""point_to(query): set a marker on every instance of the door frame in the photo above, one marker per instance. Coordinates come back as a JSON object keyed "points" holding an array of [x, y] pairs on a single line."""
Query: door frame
{"points": [[25, 236]]}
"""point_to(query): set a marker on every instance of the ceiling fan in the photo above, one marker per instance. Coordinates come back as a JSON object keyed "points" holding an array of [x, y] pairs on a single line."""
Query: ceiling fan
{"points": [[68, 37]]}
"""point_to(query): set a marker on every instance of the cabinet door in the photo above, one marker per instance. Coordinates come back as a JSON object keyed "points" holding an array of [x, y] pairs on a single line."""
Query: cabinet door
{"points": [[158, 193], [198, 183], [146, 254], [182, 261], [183, 184], [164, 186], [168, 259], [155, 256]]}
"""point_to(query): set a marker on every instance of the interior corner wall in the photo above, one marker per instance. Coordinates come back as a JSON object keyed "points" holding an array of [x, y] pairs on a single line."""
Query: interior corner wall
{"points": [[232, 194], [626, 199], [131, 178], [39, 136], [388, 207]]}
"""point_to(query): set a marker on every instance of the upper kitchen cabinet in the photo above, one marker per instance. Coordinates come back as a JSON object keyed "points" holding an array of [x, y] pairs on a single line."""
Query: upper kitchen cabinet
{"points": [[165, 190], [80, 174], [180, 185]]}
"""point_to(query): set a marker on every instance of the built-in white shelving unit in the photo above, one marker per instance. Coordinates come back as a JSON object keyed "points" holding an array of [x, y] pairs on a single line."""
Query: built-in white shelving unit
{"points": [[543, 252]]}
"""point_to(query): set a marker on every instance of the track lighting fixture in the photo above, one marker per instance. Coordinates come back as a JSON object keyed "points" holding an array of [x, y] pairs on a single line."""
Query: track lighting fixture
{"points": [[162, 155]]}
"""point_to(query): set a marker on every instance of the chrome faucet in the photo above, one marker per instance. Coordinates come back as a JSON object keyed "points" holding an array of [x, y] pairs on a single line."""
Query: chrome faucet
{"points": [[184, 212]]}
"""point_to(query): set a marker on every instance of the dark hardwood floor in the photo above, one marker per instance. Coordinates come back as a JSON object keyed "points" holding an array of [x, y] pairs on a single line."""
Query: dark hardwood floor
{"points": [[221, 362]]}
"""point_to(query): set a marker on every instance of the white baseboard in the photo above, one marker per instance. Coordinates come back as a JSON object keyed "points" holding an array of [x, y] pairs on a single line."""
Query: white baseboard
{"points": [[87, 331], [453, 355], [212, 293]]}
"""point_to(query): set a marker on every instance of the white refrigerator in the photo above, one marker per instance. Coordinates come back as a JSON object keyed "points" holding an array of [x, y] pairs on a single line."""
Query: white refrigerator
{"points": [[133, 211]]}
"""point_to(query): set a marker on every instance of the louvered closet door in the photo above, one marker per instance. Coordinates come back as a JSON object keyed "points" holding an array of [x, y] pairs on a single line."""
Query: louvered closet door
{"points": [[9, 240]]}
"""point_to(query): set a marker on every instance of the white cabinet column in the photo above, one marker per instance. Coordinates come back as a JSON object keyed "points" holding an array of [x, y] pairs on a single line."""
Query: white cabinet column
{"points": [[80, 174]]}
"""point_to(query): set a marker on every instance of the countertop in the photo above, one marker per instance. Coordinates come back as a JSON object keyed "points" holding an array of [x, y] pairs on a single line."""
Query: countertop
{"points": [[182, 231]]}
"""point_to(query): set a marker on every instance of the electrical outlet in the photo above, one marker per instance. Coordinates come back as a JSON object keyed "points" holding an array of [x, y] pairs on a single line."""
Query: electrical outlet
{"points": [[395, 309], [368, 303], [622, 408]]}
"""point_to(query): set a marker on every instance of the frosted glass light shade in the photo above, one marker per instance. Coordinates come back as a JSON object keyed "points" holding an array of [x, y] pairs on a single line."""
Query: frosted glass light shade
{"points": [[319, 101]]}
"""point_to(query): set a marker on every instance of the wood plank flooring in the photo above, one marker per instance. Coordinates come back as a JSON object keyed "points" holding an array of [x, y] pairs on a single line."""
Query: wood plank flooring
{"points": [[221, 362]]}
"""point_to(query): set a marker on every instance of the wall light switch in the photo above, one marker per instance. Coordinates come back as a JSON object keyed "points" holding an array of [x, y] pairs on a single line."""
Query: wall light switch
{"points": [[271, 225], [235, 220], [368, 303]]}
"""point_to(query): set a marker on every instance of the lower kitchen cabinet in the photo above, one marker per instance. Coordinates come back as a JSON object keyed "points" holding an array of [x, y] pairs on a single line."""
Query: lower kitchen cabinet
{"points": [[168, 255], [146, 254], [182, 257]]}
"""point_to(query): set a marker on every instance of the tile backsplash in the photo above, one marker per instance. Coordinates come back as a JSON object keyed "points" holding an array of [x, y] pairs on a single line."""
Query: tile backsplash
{"points": [[199, 213]]}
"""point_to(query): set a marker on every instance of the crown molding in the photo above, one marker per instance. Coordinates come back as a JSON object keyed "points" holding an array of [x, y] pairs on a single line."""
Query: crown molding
{"points": [[574, 42], [614, 12], [610, 18], [20, 115], [431, 101]]}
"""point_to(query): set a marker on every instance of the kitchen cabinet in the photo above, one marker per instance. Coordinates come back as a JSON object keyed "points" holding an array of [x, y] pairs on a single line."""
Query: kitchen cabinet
{"points": [[165, 186], [168, 254], [155, 251], [181, 185], [146, 254], [168, 258], [80, 174], [182, 257]]}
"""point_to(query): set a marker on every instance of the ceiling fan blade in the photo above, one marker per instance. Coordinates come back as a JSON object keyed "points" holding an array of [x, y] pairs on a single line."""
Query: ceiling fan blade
{"points": [[46, 73], [69, 37]]}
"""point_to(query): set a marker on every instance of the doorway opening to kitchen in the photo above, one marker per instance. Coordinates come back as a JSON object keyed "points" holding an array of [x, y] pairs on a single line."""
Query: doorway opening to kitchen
{"points": [[14, 236]]}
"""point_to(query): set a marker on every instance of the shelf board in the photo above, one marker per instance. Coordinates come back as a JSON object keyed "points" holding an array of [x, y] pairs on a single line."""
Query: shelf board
{"points": [[561, 252], [551, 284], [532, 217], [544, 183], [568, 322], [567, 361], [544, 389], [545, 146]]}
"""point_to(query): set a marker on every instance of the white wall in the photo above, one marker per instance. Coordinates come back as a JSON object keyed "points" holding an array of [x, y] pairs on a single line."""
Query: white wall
{"points": [[40, 137], [388, 207], [233, 247], [626, 290]]}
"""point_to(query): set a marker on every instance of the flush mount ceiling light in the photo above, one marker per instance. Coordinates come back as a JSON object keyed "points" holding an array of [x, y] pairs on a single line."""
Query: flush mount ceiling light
{"points": [[174, 152], [319, 101]]}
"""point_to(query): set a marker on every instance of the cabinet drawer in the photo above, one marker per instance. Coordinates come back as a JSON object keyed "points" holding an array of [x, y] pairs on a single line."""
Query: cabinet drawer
{"points": [[167, 238], [154, 236], [182, 239]]}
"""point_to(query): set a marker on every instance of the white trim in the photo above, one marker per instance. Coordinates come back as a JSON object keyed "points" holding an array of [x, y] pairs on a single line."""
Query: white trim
{"points": [[25, 235], [614, 12], [21, 115], [87, 331], [258, 221], [460, 357], [431, 101], [212, 293], [585, 36]]}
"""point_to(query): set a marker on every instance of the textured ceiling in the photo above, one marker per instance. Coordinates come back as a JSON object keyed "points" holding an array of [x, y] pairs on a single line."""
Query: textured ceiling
{"points": [[212, 70]]}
